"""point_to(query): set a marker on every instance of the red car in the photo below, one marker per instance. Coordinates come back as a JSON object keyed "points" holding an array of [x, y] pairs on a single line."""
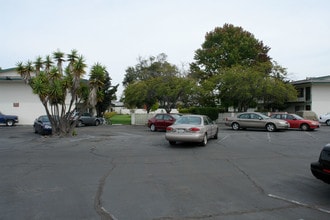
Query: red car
{"points": [[296, 121], [161, 121]]}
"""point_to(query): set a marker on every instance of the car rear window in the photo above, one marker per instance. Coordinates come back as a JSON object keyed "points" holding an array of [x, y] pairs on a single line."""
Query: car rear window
{"points": [[189, 120]]}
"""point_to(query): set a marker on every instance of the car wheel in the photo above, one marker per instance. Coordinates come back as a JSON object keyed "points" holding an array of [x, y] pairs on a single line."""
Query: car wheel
{"points": [[10, 122], [216, 135], [235, 126], [35, 129], [97, 123], [270, 127], [204, 142], [80, 123], [172, 142], [152, 127], [304, 127], [328, 122]]}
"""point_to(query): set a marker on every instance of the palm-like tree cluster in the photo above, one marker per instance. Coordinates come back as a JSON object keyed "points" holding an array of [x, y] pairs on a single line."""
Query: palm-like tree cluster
{"points": [[61, 88]]}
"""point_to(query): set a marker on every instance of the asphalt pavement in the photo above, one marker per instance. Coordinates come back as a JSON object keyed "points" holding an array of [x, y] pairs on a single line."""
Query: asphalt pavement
{"points": [[128, 172]]}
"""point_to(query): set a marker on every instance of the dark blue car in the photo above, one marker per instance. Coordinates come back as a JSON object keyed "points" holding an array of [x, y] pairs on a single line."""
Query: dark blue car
{"points": [[321, 168], [9, 120], [42, 125]]}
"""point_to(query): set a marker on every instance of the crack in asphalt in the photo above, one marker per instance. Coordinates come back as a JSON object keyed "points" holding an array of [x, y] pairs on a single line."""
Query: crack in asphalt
{"points": [[223, 214], [101, 211], [104, 214], [259, 188]]}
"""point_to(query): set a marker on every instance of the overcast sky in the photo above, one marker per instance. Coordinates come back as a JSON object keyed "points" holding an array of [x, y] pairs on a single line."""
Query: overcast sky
{"points": [[116, 32]]}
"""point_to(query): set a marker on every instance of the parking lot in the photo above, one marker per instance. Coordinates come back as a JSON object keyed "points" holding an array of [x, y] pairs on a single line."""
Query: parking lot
{"points": [[129, 172]]}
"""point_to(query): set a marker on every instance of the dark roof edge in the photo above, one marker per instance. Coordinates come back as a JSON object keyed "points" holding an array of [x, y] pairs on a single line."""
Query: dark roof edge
{"points": [[7, 70]]}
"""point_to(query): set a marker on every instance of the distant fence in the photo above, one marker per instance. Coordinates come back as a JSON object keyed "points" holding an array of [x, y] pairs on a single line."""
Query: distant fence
{"points": [[140, 119]]}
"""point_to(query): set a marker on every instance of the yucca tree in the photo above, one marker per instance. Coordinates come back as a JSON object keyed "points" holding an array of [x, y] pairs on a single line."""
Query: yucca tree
{"points": [[48, 63], [25, 70], [72, 57], [38, 63], [54, 83], [59, 57], [96, 82]]}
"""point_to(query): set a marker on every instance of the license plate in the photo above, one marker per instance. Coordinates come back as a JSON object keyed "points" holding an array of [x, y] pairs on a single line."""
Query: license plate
{"points": [[180, 131]]}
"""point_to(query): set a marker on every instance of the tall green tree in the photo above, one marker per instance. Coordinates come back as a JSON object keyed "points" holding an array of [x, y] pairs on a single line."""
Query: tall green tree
{"points": [[244, 87], [60, 88], [225, 47], [151, 81], [232, 66], [100, 79]]}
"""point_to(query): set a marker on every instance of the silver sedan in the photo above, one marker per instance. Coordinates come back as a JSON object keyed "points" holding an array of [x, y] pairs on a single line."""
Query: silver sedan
{"points": [[192, 128], [256, 120]]}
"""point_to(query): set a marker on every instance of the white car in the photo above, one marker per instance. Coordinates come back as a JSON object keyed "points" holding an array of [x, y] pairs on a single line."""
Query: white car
{"points": [[325, 119], [192, 128]]}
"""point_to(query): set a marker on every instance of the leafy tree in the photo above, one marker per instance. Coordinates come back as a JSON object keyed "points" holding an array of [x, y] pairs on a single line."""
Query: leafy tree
{"points": [[243, 87], [102, 92], [226, 47], [61, 89], [153, 81], [170, 90], [233, 68], [240, 87], [109, 95], [140, 94]]}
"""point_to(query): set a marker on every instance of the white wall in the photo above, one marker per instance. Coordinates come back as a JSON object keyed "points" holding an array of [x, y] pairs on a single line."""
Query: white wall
{"points": [[16, 98], [320, 98]]}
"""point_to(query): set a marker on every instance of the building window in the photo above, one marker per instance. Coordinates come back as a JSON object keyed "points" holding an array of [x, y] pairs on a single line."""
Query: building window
{"points": [[308, 93], [300, 92]]}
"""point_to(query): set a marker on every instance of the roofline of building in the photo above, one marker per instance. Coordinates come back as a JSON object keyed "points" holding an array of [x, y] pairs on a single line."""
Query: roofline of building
{"points": [[313, 80], [7, 70]]}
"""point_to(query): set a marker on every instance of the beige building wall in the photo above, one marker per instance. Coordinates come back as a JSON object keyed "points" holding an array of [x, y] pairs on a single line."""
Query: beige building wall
{"points": [[320, 98], [17, 99]]}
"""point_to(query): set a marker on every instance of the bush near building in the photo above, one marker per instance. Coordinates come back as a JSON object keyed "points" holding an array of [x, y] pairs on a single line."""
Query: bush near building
{"points": [[212, 112]]}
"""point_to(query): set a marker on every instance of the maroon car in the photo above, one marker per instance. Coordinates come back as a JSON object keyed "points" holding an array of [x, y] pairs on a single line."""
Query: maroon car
{"points": [[161, 121], [296, 121]]}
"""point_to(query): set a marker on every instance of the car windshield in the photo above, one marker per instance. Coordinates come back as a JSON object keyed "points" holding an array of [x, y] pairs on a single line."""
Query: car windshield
{"points": [[44, 119], [176, 116], [193, 120], [264, 116], [297, 117]]}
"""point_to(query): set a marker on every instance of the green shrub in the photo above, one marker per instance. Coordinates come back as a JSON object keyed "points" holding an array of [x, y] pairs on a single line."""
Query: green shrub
{"points": [[212, 112], [108, 115]]}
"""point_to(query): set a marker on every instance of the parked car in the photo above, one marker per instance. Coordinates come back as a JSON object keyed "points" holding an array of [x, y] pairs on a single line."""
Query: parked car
{"points": [[296, 121], [9, 120], [42, 125], [325, 118], [161, 121], [192, 128], [87, 119], [321, 168], [255, 120]]}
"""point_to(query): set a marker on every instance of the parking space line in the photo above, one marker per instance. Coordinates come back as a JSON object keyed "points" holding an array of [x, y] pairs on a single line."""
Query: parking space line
{"points": [[299, 203], [224, 138]]}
